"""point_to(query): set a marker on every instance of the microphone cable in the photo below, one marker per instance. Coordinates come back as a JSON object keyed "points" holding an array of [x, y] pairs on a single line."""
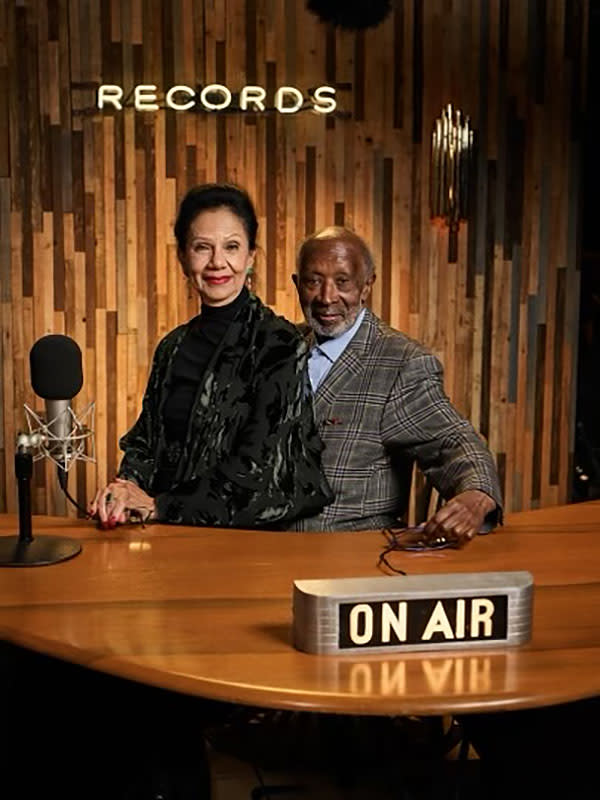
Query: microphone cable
{"points": [[62, 482]]}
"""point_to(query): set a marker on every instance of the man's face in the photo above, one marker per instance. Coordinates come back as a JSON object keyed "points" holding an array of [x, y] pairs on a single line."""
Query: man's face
{"points": [[332, 286]]}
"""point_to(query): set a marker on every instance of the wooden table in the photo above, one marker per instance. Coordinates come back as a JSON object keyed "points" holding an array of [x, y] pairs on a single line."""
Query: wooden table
{"points": [[208, 612]]}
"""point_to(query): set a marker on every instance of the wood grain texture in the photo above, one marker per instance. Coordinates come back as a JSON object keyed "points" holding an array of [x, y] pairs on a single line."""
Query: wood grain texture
{"points": [[89, 198], [145, 604]]}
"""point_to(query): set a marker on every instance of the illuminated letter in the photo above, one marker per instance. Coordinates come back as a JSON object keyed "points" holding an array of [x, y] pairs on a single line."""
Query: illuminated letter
{"points": [[482, 611], [365, 636], [438, 623], [144, 97], [361, 680], [215, 88], [480, 675], [176, 90], [254, 95], [459, 675], [389, 620], [437, 676], [460, 619], [280, 95], [323, 103], [393, 682], [109, 93]]}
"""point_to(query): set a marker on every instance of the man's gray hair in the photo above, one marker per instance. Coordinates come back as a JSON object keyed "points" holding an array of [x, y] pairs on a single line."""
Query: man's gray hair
{"points": [[337, 232]]}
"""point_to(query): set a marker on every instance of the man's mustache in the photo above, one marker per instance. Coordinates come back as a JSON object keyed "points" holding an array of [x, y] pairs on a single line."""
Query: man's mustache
{"points": [[327, 308]]}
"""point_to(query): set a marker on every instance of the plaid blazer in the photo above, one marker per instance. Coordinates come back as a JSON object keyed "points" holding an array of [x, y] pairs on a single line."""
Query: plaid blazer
{"points": [[382, 406]]}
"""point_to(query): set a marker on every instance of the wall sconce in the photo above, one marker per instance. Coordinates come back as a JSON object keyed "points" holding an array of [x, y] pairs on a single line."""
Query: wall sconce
{"points": [[451, 159]]}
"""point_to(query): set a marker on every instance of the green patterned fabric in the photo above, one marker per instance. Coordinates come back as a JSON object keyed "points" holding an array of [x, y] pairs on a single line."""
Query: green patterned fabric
{"points": [[252, 454]]}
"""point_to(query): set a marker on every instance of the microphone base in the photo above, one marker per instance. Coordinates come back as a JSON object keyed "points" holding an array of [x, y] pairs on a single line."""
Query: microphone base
{"points": [[40, 552]]}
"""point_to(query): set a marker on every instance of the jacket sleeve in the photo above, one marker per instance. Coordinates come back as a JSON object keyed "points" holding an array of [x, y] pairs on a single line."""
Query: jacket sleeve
{"points": [[273, 474], [140, 443], [420, 419]]}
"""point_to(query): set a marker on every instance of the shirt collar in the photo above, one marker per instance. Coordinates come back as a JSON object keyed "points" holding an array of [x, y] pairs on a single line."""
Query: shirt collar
{"points": [[333, 348]]}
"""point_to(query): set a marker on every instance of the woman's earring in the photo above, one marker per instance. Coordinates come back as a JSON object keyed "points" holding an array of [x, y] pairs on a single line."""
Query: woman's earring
{"points": [[250, 277]]}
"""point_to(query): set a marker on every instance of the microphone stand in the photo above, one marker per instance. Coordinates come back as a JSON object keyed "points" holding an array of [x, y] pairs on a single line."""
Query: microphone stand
{"points": [[25, 550]]}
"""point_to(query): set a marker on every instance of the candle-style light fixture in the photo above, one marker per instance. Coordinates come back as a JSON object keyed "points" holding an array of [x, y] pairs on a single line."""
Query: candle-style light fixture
{"points": [[451, 159]]}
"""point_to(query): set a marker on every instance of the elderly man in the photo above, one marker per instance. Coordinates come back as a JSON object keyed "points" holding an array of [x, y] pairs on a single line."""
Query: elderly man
{"points": [[380, 405]]}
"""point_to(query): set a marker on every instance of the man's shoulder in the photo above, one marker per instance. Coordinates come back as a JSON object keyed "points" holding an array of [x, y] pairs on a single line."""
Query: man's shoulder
{"points": [[378, 341], [392, 343]]}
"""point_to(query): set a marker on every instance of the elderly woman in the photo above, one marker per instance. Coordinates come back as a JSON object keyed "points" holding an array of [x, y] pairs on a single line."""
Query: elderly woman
{"points": [[226, 436]]}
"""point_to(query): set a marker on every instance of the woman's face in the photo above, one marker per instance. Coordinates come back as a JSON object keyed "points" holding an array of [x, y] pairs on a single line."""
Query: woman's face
{"points": [[217, 255]]}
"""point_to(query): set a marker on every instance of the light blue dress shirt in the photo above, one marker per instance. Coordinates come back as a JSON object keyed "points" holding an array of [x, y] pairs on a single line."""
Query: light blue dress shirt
{"points": [[323, 355]]}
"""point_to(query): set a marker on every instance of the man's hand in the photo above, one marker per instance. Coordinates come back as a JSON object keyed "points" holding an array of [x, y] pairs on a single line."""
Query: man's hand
{"points": [[461, 517], [116, 503]]}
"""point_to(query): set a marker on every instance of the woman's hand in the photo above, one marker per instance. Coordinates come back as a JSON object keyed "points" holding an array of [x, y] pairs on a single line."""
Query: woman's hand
{"points": [[119, 502]]}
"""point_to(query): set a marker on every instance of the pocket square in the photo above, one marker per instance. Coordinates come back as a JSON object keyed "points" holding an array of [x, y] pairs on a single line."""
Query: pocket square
{"points": [[333, 421]]}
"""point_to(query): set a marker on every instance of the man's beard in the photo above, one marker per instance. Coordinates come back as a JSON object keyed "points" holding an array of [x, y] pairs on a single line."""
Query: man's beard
{"points": [[331, 331]]}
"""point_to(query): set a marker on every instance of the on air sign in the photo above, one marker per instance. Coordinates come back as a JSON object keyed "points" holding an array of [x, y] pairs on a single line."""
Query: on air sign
{"points": [[417, 612], [422, 621]]}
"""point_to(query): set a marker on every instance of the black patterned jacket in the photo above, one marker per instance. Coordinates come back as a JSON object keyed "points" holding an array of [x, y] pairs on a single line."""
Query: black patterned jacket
{"points": [[252, 455]]}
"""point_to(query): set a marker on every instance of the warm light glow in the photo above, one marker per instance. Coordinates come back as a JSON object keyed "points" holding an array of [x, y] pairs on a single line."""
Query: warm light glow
{"points": [[451, 155], [138, 546], [456, 676]]}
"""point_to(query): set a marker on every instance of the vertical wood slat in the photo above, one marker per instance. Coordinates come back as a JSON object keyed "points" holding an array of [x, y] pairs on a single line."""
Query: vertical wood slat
{"points": [[88, 199]]}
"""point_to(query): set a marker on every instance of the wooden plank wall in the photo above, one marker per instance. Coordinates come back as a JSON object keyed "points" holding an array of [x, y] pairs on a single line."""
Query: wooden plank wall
{"points": [[88, 197]]}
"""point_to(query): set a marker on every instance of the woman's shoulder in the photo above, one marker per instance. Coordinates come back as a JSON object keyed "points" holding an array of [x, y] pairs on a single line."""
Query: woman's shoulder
{"points": [[276, 330], [169, 340]]}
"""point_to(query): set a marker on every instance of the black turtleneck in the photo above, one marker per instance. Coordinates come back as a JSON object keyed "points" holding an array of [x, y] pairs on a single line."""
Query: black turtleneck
{"points": [[202, 338]]}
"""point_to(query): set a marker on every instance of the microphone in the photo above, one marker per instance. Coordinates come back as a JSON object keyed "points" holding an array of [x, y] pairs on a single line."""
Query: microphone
{"points": [[57, 377]]}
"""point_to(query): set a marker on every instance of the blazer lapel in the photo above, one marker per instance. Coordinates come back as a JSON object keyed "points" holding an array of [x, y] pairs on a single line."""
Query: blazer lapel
{"points": [[350, 364]]}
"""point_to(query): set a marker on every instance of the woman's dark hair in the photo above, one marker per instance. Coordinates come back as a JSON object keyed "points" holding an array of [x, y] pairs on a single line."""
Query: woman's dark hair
{"points": [[209, 196]]}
